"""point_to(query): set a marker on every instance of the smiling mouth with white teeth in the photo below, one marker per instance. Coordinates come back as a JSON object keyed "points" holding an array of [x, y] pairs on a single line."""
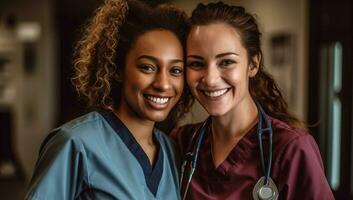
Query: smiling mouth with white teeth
{"points": [[215, 93], [156, 102]]}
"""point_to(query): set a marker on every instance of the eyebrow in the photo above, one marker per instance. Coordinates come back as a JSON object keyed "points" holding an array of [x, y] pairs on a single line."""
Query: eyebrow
{"points": [[154, 59], [195, 56], [217, 56], [226, 54]]}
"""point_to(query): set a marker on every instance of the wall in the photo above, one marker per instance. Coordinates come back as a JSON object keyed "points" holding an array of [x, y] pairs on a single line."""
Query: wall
{"points": [[36, 95]]}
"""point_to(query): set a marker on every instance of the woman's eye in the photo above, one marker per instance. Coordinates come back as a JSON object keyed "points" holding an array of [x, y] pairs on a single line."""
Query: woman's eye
{"points": [[195, 64], [146, 68], [226, 62], [176, 71]]}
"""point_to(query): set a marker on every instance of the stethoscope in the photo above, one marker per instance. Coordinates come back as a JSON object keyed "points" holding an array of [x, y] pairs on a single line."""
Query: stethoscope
{"points": [[264, 189]]}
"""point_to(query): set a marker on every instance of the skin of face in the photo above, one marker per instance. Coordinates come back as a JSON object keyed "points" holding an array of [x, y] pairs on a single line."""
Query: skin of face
{"points": [[218, 69], [153, 78]]}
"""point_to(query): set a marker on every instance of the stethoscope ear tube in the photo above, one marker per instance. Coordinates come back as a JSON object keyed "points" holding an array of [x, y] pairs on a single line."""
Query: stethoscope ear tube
{"points": [[199, 141], [192, 156]]}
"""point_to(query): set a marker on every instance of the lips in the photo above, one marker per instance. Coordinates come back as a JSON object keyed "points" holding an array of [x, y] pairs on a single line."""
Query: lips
{"points": [[215, 93], [157, 102]]}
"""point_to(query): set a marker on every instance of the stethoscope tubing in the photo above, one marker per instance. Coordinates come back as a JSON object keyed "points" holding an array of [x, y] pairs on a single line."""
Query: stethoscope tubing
{"points": [[266, 167], [193, 155]]}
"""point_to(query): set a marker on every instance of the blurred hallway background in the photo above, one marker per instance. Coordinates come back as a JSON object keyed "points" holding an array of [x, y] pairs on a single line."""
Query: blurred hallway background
{"points": [[307, 45]]}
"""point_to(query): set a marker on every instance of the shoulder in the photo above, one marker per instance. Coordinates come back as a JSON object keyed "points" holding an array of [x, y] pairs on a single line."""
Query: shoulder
{"points": [[185, 130], [169, 147], [75, 132], [163, 138], [285, 135], [83, 123], [165, 141], [293, 143], [297, 164], [183, 135]]}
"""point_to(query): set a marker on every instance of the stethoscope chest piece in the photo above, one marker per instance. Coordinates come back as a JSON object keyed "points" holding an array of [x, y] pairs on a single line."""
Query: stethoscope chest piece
{"points": [[265, 192]]}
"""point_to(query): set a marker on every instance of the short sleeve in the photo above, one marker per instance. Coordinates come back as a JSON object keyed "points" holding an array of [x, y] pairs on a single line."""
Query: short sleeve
{"points": [[59, 169], [301, 174]]}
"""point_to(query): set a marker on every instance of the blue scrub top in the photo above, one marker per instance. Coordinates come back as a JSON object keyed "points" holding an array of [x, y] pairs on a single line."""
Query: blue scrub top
{"points": [[96, 157]]}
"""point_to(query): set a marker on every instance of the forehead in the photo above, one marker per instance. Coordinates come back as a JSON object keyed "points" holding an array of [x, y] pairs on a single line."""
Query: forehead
{"points": [[214, 38], [157, 41]]}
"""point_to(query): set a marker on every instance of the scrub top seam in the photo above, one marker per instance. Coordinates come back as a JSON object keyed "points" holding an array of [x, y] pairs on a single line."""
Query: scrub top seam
{"points": [[97, 118], [65, 128], [87, 171], [75, 126]]}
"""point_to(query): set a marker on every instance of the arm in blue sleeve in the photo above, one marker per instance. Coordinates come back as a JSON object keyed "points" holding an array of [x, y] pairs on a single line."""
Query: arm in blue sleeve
{"points": [[59, 170]]}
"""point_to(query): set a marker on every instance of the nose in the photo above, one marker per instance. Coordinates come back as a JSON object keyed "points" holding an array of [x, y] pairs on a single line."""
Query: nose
{"points": [[162, 81], [211, 75]]}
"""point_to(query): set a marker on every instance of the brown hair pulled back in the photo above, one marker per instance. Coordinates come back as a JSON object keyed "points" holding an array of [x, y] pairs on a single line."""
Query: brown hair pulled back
{"points": [[262, 86]]}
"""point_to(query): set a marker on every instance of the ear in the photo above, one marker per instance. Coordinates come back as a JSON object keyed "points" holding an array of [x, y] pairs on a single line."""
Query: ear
{"points": [[254, 65]]}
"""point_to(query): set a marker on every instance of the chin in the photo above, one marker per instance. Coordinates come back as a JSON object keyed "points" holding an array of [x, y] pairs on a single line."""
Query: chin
{"points": [[216, 111], [157, 117]]}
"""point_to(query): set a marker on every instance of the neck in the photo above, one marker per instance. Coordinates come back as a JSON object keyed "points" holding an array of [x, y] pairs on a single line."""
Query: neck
{"points": [[236, 123], [141, 129]]}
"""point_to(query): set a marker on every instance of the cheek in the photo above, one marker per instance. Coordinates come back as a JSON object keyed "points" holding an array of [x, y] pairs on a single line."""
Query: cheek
{"points": [[237, 77], [136, 84], [179, 85], [191, 78]]}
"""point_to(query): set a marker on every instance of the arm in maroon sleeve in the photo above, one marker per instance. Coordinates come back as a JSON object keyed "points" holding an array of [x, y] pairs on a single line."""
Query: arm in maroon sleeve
{"points": [[301, 174]]}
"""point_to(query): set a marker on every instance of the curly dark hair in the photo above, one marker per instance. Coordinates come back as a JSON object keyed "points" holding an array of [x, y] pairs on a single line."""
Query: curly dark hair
{"points": [[262, 86], [101, 53]]}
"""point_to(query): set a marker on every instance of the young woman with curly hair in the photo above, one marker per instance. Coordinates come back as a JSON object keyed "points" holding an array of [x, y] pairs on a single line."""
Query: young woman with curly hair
{"points": [[250, 147], [129, 65]]}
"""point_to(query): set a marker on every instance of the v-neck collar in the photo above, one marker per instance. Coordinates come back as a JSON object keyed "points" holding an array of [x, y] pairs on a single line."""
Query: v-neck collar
{"points": [[152, 174], [238, 154]]}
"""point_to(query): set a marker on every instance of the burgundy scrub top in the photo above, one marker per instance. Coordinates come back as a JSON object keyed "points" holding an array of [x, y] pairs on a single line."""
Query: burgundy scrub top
{"points": [[297, 168]]}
